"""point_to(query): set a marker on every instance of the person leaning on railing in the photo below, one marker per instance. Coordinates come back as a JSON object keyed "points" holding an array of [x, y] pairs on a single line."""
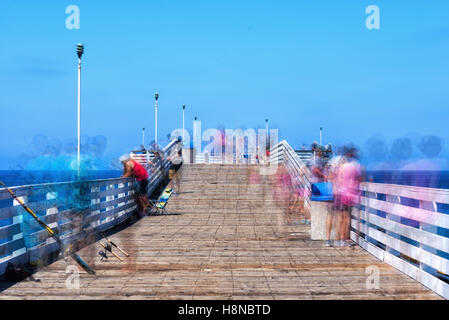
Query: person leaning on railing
{"points": [[134, 169]]}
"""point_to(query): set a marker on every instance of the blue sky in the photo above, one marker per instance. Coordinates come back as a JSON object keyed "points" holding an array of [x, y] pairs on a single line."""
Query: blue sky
{"points": [[302, 64]]}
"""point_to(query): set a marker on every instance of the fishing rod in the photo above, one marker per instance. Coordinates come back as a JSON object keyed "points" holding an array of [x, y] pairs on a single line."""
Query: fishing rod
{"points": [[108, 247], [113, 243], [75, 256]]}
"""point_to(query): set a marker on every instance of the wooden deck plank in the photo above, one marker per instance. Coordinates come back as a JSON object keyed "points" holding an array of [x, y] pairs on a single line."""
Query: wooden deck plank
{"points": [[230, 242]]}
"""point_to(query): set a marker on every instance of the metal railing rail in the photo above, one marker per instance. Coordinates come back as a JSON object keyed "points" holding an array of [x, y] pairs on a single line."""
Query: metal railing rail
{"points": [[100, 205], [282, 153], [224, 159], [404, 226]]}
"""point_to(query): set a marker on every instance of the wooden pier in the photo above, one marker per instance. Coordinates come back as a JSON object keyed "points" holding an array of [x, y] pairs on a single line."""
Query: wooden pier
{"points": [[232, 240]]}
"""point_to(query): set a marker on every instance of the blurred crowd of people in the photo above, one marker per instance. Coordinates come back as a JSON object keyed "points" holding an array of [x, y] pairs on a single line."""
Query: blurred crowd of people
{"points": [[344, 173]]}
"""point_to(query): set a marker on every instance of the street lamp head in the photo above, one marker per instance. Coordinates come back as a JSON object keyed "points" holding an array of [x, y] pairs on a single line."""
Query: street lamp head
{"points": [[266, 120], [183, 107], [156, 95], [80, 50], [196, 118]]}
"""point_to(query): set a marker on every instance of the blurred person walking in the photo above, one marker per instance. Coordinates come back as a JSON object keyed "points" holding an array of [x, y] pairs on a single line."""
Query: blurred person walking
{"points": [[317, 167], [298, 203], [348, 186], [334, 166]]}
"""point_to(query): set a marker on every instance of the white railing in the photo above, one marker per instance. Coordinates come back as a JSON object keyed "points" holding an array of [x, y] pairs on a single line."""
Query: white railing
{"points": [[305, 155], [225, 159], [100, 205], [282, 153], [405, 227], [142, 156]]}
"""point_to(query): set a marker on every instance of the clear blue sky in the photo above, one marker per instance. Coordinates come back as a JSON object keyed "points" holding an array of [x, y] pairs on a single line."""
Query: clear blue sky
{"points": [[302, 64]]}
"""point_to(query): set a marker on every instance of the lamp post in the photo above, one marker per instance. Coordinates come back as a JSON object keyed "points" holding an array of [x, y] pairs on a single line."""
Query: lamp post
{"points": [[266, 130], [321, 136], [183, 110], [79, 51], [143, 137], [156, 96]]}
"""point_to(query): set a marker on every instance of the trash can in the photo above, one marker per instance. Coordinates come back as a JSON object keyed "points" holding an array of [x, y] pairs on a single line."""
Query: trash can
{"points": [[320, 205], [322, 191]]}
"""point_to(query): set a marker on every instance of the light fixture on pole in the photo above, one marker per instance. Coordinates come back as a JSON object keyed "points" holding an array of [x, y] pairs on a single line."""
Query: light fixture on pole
{"points": [[156, 96], [183, 110], [79, 52]]}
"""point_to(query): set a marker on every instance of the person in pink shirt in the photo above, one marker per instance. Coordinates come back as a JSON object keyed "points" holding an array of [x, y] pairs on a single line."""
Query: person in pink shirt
{"points": [[333, 169], [347, 184]]}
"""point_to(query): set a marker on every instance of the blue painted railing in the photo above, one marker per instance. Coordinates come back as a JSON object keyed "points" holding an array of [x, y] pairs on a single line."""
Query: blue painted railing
{"points": [[75, 210]]}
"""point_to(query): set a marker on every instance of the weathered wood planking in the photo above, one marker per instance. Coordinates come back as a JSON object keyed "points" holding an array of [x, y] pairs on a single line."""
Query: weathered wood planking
{"points": [[231, 242]]}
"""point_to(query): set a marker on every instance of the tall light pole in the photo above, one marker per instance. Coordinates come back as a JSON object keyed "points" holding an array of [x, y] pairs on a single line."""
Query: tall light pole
{"points": [[321, 136], [156, 96], [183, 110], [79, 51], [143, 137], [266, 130]]}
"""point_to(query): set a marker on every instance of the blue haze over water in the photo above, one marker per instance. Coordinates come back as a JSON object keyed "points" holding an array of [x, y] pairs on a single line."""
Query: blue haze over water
{"points": [[68, 199], [424, 178], [28, 177]]}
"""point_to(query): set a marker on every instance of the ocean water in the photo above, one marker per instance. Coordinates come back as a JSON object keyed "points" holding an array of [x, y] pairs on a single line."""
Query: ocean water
{"points": [[429, 179], [26, 177]]}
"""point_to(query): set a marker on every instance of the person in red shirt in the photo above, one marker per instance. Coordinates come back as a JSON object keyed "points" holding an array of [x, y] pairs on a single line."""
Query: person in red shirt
{"points": [[134, 169]]}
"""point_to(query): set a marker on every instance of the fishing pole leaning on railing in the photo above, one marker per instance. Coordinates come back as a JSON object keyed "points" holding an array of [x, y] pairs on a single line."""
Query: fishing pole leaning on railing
{"points": [[75, 256]]}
